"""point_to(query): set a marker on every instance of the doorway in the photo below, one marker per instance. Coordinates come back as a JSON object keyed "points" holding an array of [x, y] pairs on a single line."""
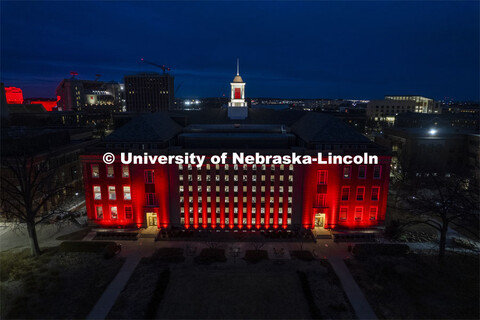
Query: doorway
{"points": [[319, 220], [151, 219]]}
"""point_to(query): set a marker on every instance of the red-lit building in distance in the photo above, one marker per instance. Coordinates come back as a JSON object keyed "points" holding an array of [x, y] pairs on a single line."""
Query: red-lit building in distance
{"points": [[231, 196], [14, 95]]}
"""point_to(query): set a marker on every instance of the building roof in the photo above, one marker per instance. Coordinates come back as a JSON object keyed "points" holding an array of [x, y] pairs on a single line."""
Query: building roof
{"points": [[319, 127], [237, 79], [25, 108], [147, 127]]}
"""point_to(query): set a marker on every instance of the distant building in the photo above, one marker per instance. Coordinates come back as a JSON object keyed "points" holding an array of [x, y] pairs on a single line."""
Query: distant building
{"points": [[48, 104], [14, 95], [437, 151], [149, 92], [90, 95], [386, 110], [422, 104], [422, 120]]}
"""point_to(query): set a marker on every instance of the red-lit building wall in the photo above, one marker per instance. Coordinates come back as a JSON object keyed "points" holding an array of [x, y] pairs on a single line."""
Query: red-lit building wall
{"points": [[14, 95], [47, 104], [242, 196]]}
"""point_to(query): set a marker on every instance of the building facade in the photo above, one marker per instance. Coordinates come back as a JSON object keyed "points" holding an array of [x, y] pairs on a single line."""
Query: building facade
{"points": [[90, 95], [149, 92]]}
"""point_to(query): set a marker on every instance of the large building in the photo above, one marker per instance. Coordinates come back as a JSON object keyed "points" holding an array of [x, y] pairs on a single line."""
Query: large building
{"points": [[149, 92], [387, 109], [90, 95], [232, 196]]}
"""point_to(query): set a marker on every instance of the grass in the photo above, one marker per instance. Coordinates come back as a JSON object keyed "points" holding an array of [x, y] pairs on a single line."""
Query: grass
{"points": [[418, 286], [303, 255], [255, 256], [57, 284], [77, 235], [210, 255]]}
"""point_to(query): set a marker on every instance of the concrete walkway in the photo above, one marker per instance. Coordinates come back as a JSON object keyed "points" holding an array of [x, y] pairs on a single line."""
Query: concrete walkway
{"points": [[357, 299], [133, 253]]}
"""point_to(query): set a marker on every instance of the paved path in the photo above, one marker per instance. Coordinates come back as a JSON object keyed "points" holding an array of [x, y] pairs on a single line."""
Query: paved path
{"points": [[357, 299]]}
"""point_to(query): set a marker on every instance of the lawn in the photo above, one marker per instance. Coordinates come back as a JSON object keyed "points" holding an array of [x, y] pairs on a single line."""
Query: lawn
{"points": [[418, 287], [56, 285]]}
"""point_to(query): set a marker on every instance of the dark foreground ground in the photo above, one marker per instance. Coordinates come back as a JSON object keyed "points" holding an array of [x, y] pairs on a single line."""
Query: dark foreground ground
{"points": [[419, 287]]}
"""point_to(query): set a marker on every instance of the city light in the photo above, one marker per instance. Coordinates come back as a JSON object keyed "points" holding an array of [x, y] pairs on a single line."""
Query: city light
{"points": [[432, 132]]}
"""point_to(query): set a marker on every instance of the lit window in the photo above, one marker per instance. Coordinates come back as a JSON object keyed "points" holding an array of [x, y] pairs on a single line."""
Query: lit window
{"points": [[113, 213], [128, 212], [375, 193], [377, 172], [125, 172], [109, 171], [97, 193], [322, 176], [362, 172], [321, 200], [343, 213], [345, 193], [358, 213], [111, 193], [126, 193], [373, 213], [149, 177], [99, 212], [360, 193], [347, 172], [95, 171]]}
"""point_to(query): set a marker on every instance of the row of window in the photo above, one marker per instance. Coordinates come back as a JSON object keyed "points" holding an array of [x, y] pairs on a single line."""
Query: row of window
{"points": [[235, 167], [235, 221], [112, 195], [113, 212], [375, 195], [235, 210], [235, 189], [149, 176], [358, 213], [235, 178], [322, 175], [110, 171]]}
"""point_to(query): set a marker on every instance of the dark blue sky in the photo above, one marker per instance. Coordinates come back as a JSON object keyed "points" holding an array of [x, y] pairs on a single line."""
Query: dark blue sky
{"points": [[286, 49]]}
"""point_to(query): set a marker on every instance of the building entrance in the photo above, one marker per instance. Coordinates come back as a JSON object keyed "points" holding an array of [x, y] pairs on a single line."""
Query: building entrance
{"points": [[319, 220], [151, 219]]}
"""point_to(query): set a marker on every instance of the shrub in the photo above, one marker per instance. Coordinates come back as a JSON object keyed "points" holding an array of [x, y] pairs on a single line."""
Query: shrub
{"points": [[255, 256], [302, 255], [107, 248], [211, 255], [366, 249], [172, 255]]}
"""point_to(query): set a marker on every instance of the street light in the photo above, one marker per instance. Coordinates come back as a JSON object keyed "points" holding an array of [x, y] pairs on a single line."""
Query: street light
{"points": [[432, 132]]}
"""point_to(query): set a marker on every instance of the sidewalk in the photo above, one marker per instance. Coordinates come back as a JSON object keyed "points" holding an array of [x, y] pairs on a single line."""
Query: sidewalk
{"points": [[357, 299]]}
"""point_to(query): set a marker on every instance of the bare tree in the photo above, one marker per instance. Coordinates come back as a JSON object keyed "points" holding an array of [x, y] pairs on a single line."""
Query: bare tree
{"points": [[440, 202], [28, 187]]}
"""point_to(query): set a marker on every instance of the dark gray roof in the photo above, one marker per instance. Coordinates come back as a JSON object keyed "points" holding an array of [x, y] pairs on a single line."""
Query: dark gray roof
{"points": [[147, 127], [319, 127], [255, 116]]}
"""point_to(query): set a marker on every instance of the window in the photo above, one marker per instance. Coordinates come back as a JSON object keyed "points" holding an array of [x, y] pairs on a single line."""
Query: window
{"points": [[361, 172], [111, 193], [347, 172], [375, 193], [149, 177], [321, 200], [322, 176], [99, 212], [358, 213], [95, 171], [343, 213], [125, 172], [126, 193], [150, 199], [373, 213], [113, 212], [377, 172], [109, 171], [345, 193], [97, 193], [360, 193]]}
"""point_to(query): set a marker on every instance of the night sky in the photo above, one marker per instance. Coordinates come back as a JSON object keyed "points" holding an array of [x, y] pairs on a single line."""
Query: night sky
{"points": [[360, 50]]}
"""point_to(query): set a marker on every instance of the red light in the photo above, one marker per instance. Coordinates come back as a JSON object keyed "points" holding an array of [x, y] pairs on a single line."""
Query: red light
{"points": [[14, 95]]}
